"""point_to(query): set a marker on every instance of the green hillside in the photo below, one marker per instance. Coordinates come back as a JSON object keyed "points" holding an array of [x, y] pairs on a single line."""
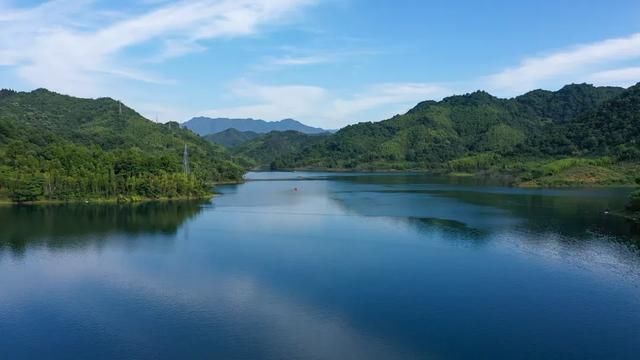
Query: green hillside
{"points": [[276, 149], [231, 137], [57, 147], [567, 103], [612, 128], [521, 137]]}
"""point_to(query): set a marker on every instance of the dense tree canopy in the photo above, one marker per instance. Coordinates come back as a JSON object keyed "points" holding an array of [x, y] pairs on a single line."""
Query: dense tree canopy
{"points": [[613, 128], [231, 137], [56, 147], [274, 150], [478, 131]]}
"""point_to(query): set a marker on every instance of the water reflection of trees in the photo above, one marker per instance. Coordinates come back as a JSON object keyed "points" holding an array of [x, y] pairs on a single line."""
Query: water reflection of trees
{"points": [[455, 230], [78, 225], [573, 217]]}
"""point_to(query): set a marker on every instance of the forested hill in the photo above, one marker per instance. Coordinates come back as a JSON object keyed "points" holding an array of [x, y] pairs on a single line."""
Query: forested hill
{"points": [[478, 131], [567, 103], [57, 147], [231, 137], [613, 127], [275, 149]]}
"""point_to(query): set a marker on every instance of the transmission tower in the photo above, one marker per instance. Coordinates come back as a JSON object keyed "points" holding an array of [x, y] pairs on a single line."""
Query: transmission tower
{"points": [[185, 160]]}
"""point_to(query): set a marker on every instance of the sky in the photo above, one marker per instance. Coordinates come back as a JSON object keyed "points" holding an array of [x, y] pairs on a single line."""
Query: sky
{"points": [[327, 63]]}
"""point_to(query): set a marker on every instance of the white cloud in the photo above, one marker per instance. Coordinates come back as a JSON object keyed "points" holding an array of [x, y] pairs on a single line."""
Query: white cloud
{"points": [[61, 54], [318, 106], [322, 107], [572, 64], [174, 49], [295, 56], [301, 60], [617, 77], [396, 97], [78, 48], [274, 102]]}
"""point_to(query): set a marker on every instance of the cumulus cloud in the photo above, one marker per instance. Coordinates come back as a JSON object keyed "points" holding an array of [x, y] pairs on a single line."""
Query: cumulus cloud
{"points": [[571, 64]]}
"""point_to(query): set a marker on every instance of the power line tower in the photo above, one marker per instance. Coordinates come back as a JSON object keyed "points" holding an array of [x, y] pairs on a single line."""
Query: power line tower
{"points": [[120, 118], [185, 160]]}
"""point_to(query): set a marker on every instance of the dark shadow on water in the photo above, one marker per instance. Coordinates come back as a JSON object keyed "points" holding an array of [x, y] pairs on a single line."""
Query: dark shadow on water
{"points": [[448, 226], [573, 217], [80, 225]]}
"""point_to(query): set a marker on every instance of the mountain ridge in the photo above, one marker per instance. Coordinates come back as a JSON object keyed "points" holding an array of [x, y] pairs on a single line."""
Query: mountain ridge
{"points": [[231, 137], [477, 132], [274, 149], [207, 126]]}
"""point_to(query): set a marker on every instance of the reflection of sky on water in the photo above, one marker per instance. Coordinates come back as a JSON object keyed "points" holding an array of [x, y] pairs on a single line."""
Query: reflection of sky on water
{"points": [[225, 308], [564, 224], [345, 267]]}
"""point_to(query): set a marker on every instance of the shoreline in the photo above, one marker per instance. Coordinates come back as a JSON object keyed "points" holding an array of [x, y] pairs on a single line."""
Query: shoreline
{"points": [[109, 201], [124, 199], [504, 178]]}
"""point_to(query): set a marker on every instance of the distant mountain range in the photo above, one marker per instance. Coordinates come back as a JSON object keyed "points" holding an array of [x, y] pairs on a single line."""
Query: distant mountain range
{"points": [[206, 126]]}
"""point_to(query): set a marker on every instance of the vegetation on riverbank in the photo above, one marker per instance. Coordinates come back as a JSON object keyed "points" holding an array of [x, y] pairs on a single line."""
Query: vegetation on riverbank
{"points": [[60, 148], [580, 135], [563, 172]]}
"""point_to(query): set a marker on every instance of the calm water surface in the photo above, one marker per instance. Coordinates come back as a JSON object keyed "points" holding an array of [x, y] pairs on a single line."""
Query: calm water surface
{"points": [[347, 267]]}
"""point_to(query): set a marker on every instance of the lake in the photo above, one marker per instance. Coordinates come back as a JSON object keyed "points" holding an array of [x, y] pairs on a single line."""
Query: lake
{"points": [[325, 266]]}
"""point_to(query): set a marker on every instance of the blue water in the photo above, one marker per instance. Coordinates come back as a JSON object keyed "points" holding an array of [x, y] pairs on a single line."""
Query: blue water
{"points": [[325, 266]]}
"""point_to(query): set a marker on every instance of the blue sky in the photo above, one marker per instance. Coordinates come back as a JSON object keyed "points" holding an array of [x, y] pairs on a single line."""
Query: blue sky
{"points": [[327, 63]]}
